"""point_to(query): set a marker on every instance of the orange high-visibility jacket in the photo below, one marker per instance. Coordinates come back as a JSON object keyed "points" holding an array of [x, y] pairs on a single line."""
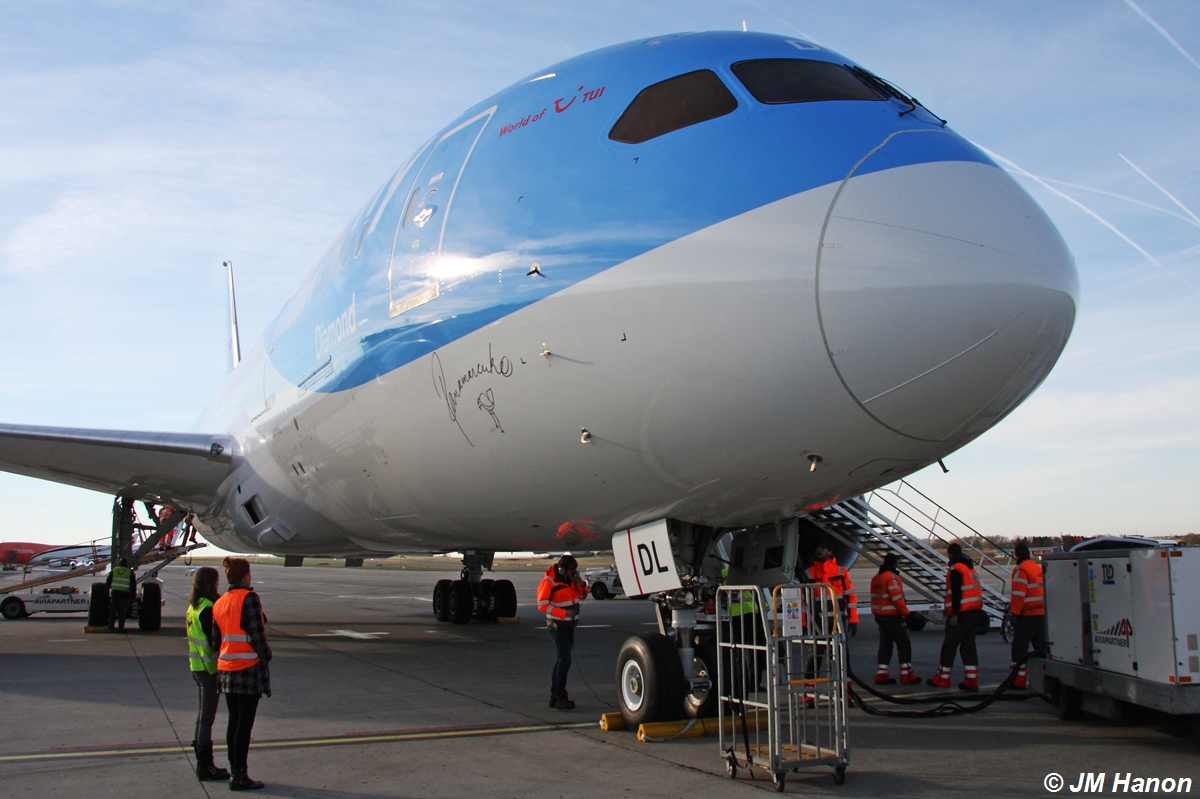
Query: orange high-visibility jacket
{"points": [[236, 653], [972, 590], [887, 595], [559, 600], [1027, 596], [828, 571]]}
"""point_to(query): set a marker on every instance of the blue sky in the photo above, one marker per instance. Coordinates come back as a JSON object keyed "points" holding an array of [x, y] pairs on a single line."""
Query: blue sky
{"points": [[143, 143]]}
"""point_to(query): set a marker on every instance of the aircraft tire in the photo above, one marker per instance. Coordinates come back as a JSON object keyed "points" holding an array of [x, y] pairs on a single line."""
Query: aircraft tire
{"points": [[650, 684], [485, 605], [703, 704], [98, 605], [150, 608], [506, 599], [441, 600], [599, 591], [12, 608], [460, 601]]}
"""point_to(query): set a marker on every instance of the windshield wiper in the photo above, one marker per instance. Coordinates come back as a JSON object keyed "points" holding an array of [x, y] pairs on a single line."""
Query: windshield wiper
{"points": [[891, 90]]}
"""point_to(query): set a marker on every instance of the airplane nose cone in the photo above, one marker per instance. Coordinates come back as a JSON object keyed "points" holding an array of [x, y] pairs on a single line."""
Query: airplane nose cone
{"points": [[945, 293]]}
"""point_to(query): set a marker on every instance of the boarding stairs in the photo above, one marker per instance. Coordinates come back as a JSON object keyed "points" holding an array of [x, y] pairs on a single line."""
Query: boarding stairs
{"points": [[898, 518]]}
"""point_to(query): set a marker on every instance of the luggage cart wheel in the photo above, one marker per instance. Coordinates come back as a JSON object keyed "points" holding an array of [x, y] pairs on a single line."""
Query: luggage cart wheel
{"points": [[839, 775], [778, 781], [731, 768]]}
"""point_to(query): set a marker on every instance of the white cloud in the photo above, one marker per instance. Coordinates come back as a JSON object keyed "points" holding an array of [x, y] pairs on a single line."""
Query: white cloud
{"points": [[1136, 419]]}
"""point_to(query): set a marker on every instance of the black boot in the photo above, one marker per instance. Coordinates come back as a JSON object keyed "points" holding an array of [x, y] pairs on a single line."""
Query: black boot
{"points": [[241, 781], [206, 769]]}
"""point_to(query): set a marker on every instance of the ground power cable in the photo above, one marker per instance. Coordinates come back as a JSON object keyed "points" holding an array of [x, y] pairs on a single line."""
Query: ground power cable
{"points": [[946, 706], [588, 685]]}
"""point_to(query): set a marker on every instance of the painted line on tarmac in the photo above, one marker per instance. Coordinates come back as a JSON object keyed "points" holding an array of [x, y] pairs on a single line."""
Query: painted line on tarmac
{"points": [[298, 743]]}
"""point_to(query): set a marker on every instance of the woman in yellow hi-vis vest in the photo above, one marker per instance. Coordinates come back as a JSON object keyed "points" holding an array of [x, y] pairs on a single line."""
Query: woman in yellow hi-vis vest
{"points": [[240, 638], [203, 660]]}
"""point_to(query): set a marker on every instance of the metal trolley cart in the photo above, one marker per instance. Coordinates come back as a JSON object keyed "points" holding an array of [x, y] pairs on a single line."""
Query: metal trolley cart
{"points": [[791, 642]]}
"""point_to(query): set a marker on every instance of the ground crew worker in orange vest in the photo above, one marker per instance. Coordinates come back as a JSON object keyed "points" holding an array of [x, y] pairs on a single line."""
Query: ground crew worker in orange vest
{"points": [[1028, 610], [558, 596], [890, 612], [964, 606], [825, 569], [240, 639]]}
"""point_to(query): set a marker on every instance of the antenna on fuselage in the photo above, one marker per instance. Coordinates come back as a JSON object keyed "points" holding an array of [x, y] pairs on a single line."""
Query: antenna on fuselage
{"points": [[235, 343]]}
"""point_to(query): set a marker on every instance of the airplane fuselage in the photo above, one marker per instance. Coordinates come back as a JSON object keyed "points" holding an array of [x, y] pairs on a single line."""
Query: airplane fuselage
{"points": [[543, 329]]}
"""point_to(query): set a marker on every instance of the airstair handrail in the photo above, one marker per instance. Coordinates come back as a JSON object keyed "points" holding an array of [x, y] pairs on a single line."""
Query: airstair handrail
{"points": [[905, 508]]}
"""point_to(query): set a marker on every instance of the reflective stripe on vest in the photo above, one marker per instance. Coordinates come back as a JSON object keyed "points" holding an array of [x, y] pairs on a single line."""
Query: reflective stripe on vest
{"points": [[829, 571], [122, 579], [887, 595], [1028, 597], [200, 653], [972, 591], [236, 652], [559, 610], [747, 605]]}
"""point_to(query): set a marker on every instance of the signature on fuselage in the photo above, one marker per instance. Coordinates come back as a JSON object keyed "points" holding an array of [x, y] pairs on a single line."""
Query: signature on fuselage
{"points": [[451, 394]]}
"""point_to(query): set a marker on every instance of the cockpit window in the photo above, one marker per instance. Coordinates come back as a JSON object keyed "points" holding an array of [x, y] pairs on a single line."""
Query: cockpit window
{"points": [[796, 80], [673, 104]]}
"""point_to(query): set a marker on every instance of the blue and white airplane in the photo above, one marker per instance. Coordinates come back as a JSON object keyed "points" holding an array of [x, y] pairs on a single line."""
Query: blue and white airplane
{"points": [[708, 282]]}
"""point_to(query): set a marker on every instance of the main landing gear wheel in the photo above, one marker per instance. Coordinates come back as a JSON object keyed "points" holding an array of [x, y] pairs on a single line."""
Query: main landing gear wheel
{"points": [[702, 703], [12, 608], [150, 608], [506, 599], [441, 600], [599, 591], [460, 602], [650, 684], [98, 605], [485, 608]]}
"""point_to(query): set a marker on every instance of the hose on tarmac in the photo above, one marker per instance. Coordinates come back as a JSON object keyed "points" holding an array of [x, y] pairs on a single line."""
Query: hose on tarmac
{"points": [[946, 706]]}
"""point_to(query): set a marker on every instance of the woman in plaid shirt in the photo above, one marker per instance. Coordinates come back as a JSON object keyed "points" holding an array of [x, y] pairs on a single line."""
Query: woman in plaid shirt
{"points": [[240, 637]]}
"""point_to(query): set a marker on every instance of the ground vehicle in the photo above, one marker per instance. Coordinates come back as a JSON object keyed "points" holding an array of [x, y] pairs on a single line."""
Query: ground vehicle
{"points": [[60, 599], [1122, 630], [605, 583], [146, 611]]}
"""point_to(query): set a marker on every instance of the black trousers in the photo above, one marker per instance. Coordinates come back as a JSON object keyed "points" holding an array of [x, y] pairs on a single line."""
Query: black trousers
{"points": [[118, 608], [1028, 630], [206, 693], [242, 709], [892, 631], [961, 636]]}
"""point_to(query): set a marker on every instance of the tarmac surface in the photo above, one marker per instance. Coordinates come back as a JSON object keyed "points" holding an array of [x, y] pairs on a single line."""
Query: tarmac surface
{"points": [[374, 698]]}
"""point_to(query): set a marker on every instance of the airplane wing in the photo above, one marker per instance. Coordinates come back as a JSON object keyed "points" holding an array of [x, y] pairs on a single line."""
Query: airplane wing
{"points": [[182, 468]]}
